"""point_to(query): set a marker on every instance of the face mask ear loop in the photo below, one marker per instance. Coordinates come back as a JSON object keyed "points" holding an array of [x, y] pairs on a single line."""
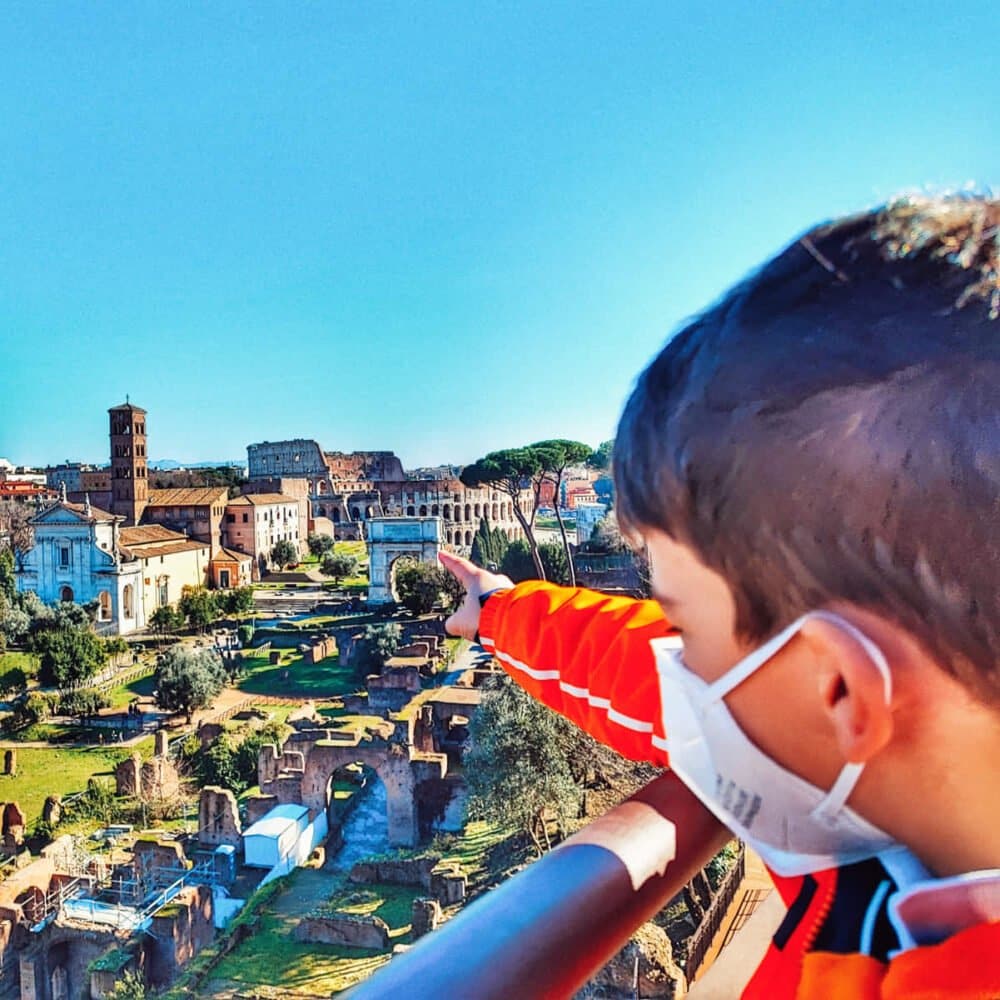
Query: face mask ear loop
{"points": [[837, 797], [754, 661]]}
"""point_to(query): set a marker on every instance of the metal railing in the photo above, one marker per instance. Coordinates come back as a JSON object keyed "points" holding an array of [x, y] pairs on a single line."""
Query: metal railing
{"points": [[701, 940], [547, 930]]}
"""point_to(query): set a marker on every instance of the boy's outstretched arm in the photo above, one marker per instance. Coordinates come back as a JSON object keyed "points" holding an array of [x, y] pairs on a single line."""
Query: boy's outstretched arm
{"points": [[585, 654]]}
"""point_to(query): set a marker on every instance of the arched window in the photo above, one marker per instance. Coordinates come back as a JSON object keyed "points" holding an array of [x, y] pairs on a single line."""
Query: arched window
{"points": [[435, 510], [410, 512], [496, 512], [104, 606], [477, 512], [447, 512], [423, 510], [468, 512], [127, 610], [66, 594], [468, 538]]}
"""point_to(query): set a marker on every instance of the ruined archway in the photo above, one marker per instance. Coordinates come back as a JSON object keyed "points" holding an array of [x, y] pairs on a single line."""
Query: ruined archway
{"points": [[389, 538]]}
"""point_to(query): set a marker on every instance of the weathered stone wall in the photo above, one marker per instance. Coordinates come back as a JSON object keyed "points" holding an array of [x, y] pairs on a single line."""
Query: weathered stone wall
{"points": [[218, 817], [397, 871], [345, 929], [320, 650], [180, 930], [150, 779]]}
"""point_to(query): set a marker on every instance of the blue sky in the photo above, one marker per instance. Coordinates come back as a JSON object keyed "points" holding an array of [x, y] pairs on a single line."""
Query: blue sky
{"points": [[438, 228]]}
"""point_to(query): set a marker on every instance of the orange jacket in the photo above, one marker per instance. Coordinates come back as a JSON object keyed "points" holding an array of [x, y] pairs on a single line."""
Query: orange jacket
{"points": [[587, 655]]}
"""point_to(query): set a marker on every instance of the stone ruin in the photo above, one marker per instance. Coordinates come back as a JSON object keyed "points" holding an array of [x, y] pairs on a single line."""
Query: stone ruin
{"points": [[218, 818], [12, 827], [149, 780], [53, 959]]}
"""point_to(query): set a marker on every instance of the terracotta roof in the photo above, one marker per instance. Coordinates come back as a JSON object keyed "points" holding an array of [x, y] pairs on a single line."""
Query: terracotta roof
{"points": [[154, 540], [227, 555], [189, 496], [161, 549], [96, 514], [146, 533], [127, 406], [262, 499]]}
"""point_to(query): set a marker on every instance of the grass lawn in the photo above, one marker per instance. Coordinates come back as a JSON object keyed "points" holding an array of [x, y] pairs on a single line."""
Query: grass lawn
{"points": [[272, 957], [41, 773], [121, 695], [326, 679], [28, 662]]}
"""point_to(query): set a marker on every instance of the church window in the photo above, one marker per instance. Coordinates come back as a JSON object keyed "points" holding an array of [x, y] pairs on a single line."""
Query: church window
{"points": [[104, 606], [64, 556], [127, 600]]}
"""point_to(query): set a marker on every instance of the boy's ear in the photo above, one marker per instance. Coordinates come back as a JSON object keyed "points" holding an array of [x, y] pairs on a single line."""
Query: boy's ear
{"points": [[851, 690]]}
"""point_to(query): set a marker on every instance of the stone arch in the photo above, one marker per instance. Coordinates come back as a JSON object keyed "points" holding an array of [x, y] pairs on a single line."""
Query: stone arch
{"points": [[355, 514], [435, 510], [128, 608], [369, 511], [398, 773], [66, 594], [336, 515], [446, 512], [468, 512], [468, 538], [391, 538], [321, 486], [496, 512], [322, 511], [477, 513], [104, 606], [411, 511], [423, 510]]}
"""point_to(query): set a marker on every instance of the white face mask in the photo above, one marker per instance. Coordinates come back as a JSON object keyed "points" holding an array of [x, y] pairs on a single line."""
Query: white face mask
{"points": [[794, 826]]}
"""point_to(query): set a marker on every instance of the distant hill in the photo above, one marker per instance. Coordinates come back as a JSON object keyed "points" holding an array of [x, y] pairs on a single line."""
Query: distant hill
{"points": [[169, 464]]}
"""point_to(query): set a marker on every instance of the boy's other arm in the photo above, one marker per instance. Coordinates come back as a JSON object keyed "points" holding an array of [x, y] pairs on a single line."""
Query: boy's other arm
{"points": [[582, 653]]}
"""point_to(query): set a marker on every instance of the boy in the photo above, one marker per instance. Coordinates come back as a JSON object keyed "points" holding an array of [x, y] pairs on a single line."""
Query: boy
{"points": [[813, 468]]}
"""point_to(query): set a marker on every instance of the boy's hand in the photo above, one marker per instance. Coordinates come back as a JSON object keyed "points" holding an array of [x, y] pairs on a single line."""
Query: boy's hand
{"points": [[465, 621]]}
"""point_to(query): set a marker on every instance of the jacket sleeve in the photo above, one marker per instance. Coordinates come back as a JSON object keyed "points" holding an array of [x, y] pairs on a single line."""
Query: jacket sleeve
{"points": [[587, 656]]}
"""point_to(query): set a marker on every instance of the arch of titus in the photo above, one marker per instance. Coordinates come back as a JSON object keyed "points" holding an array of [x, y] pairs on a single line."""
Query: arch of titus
{"points": [[392, 537]]}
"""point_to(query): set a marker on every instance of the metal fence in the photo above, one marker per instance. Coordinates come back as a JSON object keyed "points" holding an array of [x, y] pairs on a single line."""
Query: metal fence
{"points": [[701, 940]]}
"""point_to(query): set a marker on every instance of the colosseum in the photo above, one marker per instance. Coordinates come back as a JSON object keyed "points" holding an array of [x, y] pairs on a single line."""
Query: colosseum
{"points": [[345, 490]]}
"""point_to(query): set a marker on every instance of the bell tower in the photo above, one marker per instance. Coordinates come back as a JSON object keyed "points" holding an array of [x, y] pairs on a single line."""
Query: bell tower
{"points": [[129, 484]]}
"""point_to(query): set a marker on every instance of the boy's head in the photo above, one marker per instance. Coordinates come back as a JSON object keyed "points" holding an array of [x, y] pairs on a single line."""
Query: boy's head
{"points": [[828, 435]]}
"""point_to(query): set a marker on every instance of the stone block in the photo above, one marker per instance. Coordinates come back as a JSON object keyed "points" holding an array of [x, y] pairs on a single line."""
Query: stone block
{"points": [[426, 917], [218, 817], [348, 929]]}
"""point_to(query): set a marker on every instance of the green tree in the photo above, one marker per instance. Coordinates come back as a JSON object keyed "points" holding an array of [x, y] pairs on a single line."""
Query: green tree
{"points": [[340, 564], [381, 641], [166, 619], [420, 585], [319, 545], [198, 606], [188, 679], [284, 553], [600, 457], [245, 634], [518, 564], [509, 471], [129, 987], [8, 583], [237, 601], [69, 653], [556, 457], [14, 623], [489, 545], [518, 762]]}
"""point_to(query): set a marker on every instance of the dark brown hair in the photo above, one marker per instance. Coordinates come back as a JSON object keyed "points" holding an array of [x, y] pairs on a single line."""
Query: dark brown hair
{"points": [[829, 431]]}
